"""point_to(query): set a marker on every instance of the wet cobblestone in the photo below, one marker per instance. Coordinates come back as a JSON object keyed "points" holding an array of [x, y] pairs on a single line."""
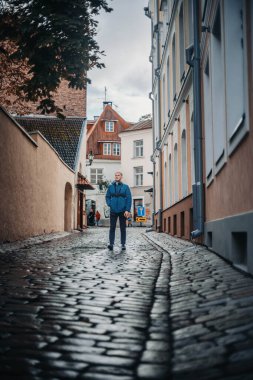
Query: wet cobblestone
{"points": [[69, 309]]}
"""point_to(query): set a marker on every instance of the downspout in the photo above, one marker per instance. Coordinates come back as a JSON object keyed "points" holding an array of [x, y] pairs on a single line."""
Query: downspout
{"points": [[197, 188], [159, 120], [147, 13], [154, 164]]}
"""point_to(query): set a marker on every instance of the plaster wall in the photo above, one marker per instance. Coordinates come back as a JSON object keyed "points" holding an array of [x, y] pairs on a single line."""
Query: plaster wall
{"points": [[33, 180]]}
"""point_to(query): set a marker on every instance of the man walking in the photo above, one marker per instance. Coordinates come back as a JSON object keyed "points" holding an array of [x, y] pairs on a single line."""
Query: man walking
{"points": [[119, 199]]}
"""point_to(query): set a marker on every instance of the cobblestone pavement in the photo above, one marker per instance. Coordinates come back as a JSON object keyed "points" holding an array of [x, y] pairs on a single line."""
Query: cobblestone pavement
{"points": [[69, 309]]}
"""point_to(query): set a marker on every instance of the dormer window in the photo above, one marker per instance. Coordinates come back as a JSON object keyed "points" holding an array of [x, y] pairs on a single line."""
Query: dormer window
{"points": [[109, 126]]}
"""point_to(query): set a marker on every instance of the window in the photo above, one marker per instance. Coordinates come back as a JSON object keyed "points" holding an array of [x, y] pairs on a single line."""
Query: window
{"points": [[208, 124], [175, 173], [181, 42], [109, 126], [235, 72], [116, 149], [168, 84], [138, 176], [96, 175], [184, 163], [138, 148], [107, 149], [218, 102], [174, 67]]}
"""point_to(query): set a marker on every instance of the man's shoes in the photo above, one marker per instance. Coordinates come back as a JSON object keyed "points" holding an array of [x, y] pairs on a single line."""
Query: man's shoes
{"points": [[123, 248], [110, 247]]}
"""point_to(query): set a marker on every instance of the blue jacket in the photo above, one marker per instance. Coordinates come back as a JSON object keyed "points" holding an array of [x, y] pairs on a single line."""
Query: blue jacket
{"points": [[118, 197]]}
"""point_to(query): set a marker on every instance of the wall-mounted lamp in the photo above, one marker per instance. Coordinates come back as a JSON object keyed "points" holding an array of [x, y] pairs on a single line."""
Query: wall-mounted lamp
{"points": [[165, 144], [205, 28], [170, 133], [185, 101], [90, 158], [176, 118]]}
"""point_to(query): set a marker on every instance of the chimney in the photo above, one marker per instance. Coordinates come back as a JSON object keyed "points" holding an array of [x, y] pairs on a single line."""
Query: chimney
{"points": [[105, 104]]}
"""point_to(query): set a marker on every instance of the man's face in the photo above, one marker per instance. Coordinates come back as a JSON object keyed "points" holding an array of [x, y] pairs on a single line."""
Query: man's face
{"points": [[118, 176]]}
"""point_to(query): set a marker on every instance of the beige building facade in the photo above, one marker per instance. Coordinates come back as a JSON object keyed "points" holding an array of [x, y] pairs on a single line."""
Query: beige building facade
{"points": [[172, 96], [37, 187]]}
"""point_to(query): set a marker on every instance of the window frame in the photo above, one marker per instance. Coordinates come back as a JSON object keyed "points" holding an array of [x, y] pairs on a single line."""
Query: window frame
{"points": [[96, 174], [138, 176], [140, 147], [109, 126], [115, 151], [106, 151]]}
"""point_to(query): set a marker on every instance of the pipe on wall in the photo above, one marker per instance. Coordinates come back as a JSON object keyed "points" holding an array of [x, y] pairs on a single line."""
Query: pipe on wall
{"points": [[197, 188], [159, 224]]}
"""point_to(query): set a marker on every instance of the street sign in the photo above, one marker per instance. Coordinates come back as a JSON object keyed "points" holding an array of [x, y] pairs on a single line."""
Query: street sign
{"points": [[141, 219], [140, 211]]}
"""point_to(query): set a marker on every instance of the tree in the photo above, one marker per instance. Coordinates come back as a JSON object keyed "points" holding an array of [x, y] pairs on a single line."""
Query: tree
{"points": [[53, 40], [148, 116]]}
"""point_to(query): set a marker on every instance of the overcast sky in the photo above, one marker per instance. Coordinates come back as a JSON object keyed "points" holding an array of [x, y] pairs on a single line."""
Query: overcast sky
{"points": [[124, 35]]}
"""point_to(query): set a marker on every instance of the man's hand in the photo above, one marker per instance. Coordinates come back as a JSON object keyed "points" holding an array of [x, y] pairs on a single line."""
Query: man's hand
{"points": [[126, 214]]}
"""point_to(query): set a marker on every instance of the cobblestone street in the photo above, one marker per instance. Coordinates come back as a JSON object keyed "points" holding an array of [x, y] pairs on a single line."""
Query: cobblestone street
{"points": [[72, 310]]}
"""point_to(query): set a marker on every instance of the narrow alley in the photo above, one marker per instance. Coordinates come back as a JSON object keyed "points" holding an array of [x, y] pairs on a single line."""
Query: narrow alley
{"points": [[163, 309]]}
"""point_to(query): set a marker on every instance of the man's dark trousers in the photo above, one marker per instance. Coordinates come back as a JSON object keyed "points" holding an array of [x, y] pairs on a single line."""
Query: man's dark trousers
{"points": [[122, 223]]}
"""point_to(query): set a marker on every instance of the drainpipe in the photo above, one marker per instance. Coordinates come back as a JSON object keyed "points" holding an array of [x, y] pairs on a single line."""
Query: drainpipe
{"points": [[147, 13], [197, 188], [159, 120], [154, 164]]}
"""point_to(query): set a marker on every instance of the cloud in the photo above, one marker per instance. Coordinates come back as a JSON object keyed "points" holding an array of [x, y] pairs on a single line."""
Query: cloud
{"points": [[124, 34]]}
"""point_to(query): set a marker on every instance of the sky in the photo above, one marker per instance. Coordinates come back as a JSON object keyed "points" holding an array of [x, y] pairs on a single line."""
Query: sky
{"points": [[124, 35]]}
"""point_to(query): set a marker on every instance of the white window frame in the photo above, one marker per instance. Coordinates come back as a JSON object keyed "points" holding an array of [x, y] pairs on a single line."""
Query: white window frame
{"points": [[96, 174], [138, 149], [109, 126], [116, 149], [138, 176], [107, 149]]}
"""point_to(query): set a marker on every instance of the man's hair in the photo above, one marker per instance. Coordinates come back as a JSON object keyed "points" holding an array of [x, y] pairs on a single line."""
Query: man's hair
{"points": [[118, 172]]}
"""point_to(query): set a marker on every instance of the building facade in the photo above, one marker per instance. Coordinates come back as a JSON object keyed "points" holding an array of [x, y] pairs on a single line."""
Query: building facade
{"points": [[104, 142], [226, 62], [202, 107], [172, 96], [37, 186]]}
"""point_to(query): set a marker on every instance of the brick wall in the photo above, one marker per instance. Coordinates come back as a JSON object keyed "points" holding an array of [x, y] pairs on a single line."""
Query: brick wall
{"points": [[73, 102]]}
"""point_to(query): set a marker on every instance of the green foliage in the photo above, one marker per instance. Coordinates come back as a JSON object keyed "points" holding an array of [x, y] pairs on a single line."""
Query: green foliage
{"points": [[103, 184], [56, 38], [148, 116]]}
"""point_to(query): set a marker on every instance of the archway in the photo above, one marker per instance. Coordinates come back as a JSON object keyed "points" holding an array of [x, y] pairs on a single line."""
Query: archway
{"points": [[67, 207]]}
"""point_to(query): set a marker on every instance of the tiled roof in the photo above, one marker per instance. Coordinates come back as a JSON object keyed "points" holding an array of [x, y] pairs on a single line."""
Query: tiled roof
{"points": [[144, 124], [63, 135]]}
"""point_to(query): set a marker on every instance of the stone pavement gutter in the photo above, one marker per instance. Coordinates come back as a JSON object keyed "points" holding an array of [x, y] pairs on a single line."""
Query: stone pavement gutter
{"points": [[211, 314], [164, 309]]}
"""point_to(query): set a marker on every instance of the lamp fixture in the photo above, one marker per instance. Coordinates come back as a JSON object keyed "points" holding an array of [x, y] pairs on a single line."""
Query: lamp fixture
{"points": [[90, 158]]}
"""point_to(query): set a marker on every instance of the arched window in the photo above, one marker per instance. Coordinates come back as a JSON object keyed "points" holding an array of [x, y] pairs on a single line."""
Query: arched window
{"points": [[168, 84], [192, 152], [170, 180], [175, 173], [184, 163], [174, 67], [165, 185]]}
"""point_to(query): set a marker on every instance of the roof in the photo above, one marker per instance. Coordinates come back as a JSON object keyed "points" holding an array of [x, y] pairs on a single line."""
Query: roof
{"points": [[144, 124], [108, 113], [63, 134]]}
